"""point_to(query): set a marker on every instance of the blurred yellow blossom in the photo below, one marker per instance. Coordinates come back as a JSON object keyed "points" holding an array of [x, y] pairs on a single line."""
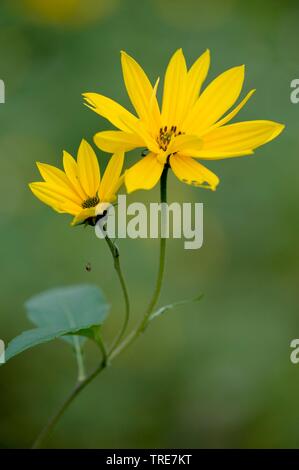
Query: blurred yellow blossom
{"points": [[66, 12]]}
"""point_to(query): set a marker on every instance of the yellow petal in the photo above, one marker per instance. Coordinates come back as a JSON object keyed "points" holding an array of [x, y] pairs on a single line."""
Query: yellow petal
{"points": [[191, 172], [117, 141], [44, 194], [140, 91], [110, 110], [110, 180], [71, 171], [120, 182], [185, 144], [235, 139], [195, 78], [233, 113], [174, 93], [71, 208], [143, 134], [219, 155], [88, 169], [58, 181], [50, 197], [145, 174], [214, 101], [83, 215], [153, 100]]}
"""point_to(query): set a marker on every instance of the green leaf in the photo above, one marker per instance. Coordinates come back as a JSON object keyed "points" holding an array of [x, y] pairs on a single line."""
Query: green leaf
{"points": [[59, 307], [165, 308], [73, 310]]}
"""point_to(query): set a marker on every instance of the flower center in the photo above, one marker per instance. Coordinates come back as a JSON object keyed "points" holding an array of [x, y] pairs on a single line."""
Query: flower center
{"points": [[90, 202], [165, 136]]}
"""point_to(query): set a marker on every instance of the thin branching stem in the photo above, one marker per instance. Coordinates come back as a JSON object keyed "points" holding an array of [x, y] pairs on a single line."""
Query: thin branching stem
{"points": [[118, 345], [115, 253]]}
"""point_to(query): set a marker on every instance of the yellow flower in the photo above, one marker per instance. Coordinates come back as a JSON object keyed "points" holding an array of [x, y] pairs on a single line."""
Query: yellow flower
{"points": [[66, 12], [79, 190], [190, 124]]}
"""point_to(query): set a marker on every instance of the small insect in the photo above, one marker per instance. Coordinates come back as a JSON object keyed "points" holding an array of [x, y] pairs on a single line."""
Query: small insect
{"points": [[144, 153], [88, 267]]}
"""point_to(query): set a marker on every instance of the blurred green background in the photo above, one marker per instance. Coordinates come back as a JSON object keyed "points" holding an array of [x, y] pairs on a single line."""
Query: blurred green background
{"points": [[216, 374]]}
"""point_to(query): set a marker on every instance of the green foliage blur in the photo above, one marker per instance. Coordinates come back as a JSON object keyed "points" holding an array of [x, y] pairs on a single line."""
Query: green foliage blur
{"points": [[213, 374]]}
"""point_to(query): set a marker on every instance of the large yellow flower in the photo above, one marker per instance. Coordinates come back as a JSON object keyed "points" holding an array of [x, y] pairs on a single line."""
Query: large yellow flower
{"points": [[79, 190], [190, 124]]}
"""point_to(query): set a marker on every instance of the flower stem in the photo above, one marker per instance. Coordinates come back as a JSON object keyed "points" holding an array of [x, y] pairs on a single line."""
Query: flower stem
{"points": [[156, 294], [144, 322], [80, 385], [115, 253]]}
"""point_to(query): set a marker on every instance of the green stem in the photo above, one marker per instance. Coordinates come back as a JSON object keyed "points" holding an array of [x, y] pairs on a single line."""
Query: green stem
{"points": [[156, 294], [101, 344], [144, 322], [79, 358], [115, 253], [76, 390]]}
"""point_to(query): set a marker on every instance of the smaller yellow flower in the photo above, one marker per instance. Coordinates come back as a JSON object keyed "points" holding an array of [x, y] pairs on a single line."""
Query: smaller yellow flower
{"points": [[79, 190]]}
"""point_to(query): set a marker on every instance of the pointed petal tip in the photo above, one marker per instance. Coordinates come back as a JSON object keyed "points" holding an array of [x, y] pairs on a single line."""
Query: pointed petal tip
{"points": [[34, 185], [250, 93], [239, 68], [215, 185], [40, 165], [86, 95], [84, 143], [125, 56], [74, 222], [177, 52], [87, 98], [279, 129]]}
